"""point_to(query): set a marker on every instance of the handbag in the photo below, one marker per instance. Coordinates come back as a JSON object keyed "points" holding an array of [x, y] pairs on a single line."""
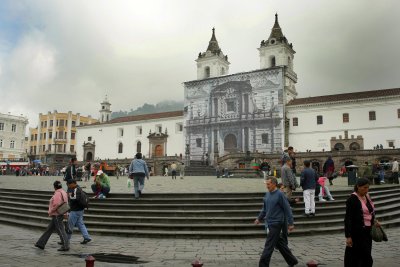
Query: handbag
{"points": [[64, 207], [377, 234]]}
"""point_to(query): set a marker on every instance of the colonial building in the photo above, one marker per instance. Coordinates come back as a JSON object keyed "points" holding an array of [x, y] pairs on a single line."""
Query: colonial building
{"points": [[12, 137], [350, 121], [54, 139], [154, 135], [239, 112]]}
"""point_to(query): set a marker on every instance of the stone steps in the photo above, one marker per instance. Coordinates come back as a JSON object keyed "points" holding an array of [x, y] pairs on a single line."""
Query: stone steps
{"points": [[187, 215]]}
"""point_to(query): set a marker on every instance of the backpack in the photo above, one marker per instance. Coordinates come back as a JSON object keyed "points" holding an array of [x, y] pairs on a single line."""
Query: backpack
{"points": [[83, 199]]}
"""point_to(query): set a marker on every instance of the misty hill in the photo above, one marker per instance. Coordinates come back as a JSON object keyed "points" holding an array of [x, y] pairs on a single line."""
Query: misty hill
{"points": [[163, 106]]}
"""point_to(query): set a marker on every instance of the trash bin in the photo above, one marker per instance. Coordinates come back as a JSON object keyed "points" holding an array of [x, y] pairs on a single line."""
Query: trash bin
{"points": [[351, 174]]}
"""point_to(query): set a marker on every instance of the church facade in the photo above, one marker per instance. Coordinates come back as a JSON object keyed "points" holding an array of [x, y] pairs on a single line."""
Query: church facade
{"points": [[239, 112]]}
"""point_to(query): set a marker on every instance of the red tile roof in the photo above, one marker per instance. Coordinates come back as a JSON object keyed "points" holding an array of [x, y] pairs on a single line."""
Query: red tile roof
{"points": [[343, 97], [143, 117]]}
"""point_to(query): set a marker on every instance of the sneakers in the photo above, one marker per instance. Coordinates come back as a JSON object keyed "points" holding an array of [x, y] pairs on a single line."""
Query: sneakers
{"points": [[101, 196], [85, 241], [331, 199], [63, 249], [312, 214], [321, 199]]}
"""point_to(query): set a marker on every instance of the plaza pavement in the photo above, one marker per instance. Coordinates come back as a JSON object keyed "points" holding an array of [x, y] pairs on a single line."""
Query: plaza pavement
{"points": [[17, 243]]}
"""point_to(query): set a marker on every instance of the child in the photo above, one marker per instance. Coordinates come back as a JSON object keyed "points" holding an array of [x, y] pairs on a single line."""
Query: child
{"points": [[324, 191]]}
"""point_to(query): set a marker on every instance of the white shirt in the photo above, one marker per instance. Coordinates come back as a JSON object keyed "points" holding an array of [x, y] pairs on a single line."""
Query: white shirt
{"points": [[395, 166]]}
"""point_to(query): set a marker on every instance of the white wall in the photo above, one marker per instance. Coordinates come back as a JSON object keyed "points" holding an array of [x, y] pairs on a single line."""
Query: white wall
{"points": [[107, 138], [309, 135], [7, 135]]}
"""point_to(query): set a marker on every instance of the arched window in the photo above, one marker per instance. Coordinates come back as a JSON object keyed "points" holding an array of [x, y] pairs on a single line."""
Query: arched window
{"points": [[222, 71], [273, 63], [289, 62], [120, 147], [339, 146], [138, 147], [354, 146], [207, 72]]}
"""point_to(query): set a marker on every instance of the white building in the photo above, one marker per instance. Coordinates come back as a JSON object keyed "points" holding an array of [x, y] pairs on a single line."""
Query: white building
{"points": [[12, 136], [157, 134], [374, 115]]}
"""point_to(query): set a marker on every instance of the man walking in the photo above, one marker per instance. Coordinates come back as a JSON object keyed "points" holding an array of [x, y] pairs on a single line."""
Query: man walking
{"points": [[77, 206], [288, 178], [278, 215], [308, 181]]}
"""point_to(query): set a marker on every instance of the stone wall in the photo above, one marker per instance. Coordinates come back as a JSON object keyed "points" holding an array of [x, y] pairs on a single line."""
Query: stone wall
{"points": [[358, 157]]}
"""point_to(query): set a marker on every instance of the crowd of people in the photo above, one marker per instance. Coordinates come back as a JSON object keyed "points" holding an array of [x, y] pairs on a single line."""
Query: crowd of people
{"points": [[276, 211]]}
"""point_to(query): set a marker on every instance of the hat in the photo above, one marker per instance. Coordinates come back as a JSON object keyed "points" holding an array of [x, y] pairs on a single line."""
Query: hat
{"points": [[72, 181], [99, 172]]}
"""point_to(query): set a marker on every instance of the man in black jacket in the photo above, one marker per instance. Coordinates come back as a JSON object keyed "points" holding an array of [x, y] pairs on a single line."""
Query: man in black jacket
{"points": [[75, 217], [70, 170]]}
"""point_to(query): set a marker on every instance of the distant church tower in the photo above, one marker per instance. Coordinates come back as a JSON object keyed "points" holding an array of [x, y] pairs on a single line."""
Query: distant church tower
{"points": [[105, 112], [213, 62], [277, 51]]}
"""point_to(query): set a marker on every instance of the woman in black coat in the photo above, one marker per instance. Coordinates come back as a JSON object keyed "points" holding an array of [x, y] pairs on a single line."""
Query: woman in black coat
{"points": [[360, 216]]}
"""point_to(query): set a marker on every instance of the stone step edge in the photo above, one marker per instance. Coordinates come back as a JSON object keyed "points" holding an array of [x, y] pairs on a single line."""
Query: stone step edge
{"points": [[209, 225], [190, 234]]}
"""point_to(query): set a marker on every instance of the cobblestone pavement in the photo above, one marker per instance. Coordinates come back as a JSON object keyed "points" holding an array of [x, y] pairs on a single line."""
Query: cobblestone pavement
{"points": [[17, 250], [17, 243]]}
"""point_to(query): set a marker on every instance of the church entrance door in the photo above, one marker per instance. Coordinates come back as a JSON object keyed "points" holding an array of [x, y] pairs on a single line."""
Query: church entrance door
{"points": [[89, 156], [159, 151], [230, 143]]}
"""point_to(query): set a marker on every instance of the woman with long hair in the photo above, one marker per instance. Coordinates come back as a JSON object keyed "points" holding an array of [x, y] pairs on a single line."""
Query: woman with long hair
{"points": [[360, 216]]}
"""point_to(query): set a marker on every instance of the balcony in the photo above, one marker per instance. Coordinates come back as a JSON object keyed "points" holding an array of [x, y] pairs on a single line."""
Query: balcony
{"points": [[60, 140]]}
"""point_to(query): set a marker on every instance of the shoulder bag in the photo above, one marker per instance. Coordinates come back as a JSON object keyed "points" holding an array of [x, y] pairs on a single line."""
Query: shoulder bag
{"points": [[64, 207]]}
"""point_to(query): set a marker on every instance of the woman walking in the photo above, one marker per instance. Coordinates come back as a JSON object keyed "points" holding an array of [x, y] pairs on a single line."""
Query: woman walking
{"points": [[56, 223], [360, 216]]}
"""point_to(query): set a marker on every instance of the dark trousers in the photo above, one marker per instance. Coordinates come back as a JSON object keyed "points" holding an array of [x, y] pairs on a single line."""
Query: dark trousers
{"points": [[275, 239], [56, 224], [97, 190], [360, 254]]}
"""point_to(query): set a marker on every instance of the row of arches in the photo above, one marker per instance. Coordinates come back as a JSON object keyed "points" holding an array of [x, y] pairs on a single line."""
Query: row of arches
{"points": [[352, 146]]}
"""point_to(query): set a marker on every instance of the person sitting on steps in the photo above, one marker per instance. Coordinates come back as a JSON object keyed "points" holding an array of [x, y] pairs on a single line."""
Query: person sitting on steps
{"points": [[101, 186]]}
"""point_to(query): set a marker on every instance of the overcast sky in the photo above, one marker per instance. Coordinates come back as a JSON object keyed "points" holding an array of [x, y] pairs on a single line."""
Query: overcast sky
{"points": [[66, 55]]}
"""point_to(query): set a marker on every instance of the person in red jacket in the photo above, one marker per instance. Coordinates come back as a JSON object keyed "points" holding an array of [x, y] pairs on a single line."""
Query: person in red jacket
{"points": [[56, 223]]}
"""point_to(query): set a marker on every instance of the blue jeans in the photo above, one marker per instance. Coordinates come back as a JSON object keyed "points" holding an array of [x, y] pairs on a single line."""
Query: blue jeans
{"points": [[138, 184], [75, 218], [382, 176]]}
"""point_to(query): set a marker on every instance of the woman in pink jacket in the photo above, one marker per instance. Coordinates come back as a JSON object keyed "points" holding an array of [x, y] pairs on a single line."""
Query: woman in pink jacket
{"points": [[56, 223]]}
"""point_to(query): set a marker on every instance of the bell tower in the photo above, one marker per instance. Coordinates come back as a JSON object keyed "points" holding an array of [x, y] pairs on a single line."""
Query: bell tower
{"points": [[213, 62], [277, 51], [105, 112]]}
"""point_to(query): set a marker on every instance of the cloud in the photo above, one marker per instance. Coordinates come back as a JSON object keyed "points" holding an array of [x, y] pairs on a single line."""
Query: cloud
{"points": [[66, 55]]}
